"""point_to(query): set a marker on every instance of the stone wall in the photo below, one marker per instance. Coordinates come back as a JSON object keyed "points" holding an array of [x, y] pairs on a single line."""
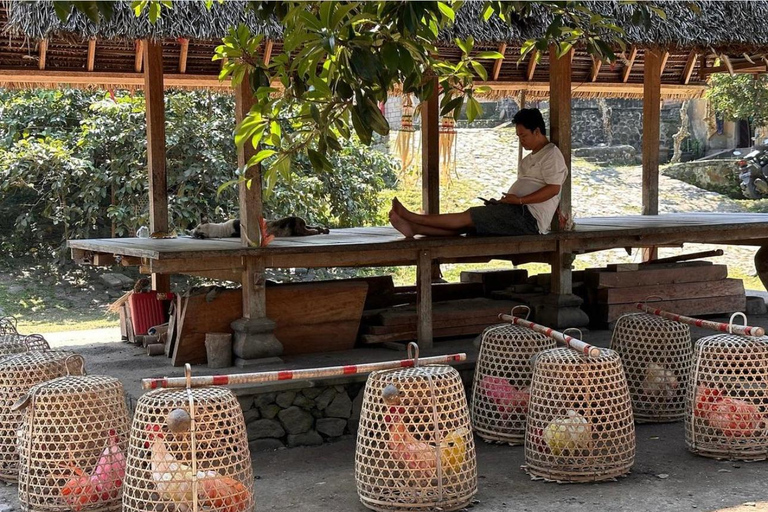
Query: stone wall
{"points": [[306, 416]]}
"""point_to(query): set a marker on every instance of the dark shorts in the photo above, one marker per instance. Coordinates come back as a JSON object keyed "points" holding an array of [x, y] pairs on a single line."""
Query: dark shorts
{"points": [[503, 219]]}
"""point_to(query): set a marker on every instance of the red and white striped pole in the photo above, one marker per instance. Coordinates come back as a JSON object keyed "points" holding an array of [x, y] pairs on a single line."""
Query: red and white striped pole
{"points": [[744, 330], [309, 373], [568, 341]]}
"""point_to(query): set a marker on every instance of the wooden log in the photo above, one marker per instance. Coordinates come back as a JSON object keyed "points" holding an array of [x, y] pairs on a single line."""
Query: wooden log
{"points": [[686, 257], [697, 306], [724, 287], [467, 308], [438, 332], [455, 321], [424, 299], [156, 349], [654, 276], [493, 279]]}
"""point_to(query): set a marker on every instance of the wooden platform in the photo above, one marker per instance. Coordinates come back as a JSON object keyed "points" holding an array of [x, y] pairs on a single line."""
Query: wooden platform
{"points": [[384, 246]]}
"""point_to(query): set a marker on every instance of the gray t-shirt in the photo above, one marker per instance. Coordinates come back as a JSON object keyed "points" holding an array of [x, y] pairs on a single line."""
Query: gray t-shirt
{"points": [[545, 167]]}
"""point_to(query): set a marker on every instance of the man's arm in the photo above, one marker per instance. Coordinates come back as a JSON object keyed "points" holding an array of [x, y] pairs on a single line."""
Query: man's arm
{"points": [[541, 195]]}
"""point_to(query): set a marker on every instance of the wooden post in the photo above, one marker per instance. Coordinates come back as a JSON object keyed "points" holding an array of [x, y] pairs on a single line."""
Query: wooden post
{"points": [[430, 160], [520, 146], [158, 184], [651, 137], [43, 52], [254, 297], [560, 127], [424, 299], [91, 57]]}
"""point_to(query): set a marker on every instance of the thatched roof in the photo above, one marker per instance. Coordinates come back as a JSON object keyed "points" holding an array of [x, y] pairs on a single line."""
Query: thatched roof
{"points": [[722, 25]]}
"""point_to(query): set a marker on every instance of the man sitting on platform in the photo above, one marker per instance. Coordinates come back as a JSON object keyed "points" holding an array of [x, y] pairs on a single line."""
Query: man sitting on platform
{"points": [[526, 209]]}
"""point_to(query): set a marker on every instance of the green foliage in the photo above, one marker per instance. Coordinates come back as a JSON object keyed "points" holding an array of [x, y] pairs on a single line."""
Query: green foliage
{"points": [[73, 165], [740, 97]]}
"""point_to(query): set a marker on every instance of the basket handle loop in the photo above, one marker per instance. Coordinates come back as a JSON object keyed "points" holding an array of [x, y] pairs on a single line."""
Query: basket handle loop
{"points": [[188, 375], [75, 358], [522, 306], [730, 321], [581, 334], [413, 352]]}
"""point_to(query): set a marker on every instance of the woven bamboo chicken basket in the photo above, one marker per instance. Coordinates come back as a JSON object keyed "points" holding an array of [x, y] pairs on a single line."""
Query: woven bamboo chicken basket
{"points": [[18, 373], [11, 344], [188, 451], [657, 354], [501, 386], [71, 445], [580, 426], [8, 325], [727, 400], [415, 449]]}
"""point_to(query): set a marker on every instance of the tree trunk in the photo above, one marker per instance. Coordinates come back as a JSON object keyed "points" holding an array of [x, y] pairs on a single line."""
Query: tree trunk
{"points": [[681, 134]]}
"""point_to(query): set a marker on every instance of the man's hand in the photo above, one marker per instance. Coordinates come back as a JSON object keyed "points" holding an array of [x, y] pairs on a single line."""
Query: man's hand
{"points": [[510, 199]]}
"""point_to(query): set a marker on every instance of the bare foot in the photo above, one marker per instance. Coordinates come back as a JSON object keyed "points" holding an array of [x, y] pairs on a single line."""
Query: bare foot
{"points": [[402, 211], [400, 224]]}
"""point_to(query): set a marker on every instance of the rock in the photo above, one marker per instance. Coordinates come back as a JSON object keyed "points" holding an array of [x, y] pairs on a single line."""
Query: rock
{"points": [[353, 426], [295, 420], [756, 306], [264, 399], [340, 389], [116, 281], [325, 398], [251, 415], [311, 392], [316, 413], [285, 399], [341, 407], [721, 176], [264, 428], [357, 406], [331, 427], [265, 445], [114, 294], [304, 402], [310, 438], [246, 402], [270, 411]]}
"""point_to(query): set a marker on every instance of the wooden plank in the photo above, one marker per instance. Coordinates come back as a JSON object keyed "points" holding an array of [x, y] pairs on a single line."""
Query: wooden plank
{"points": [[424, 299], [532, 65], [267, 55], [497, 63], [301, 326], [595, 72], [91, 58], [183, 52], [42, 53], [656, 276], [138, 62], [442, 323], [689, 307], [630, 62], [158, 183], [651, 127], [722, 288], [440, 332], [663, 64], [689, 65], [465, 308]]}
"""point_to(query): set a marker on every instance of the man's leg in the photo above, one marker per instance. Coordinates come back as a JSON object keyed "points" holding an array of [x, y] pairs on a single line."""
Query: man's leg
{"points": [[410, 229]]}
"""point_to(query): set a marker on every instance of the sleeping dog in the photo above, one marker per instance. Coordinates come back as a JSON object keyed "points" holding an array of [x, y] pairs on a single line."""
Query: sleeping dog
{"points": [[289, 226]]}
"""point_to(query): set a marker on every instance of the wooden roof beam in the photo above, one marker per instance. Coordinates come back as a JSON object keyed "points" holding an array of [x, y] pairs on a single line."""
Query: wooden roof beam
{"points": [[139, 60], [596, 65], [43, 51], [630, 63], [689, 65], [664, 59], [184, 51], [532, 65], [268, 51], [91, 60], [498, 62]]}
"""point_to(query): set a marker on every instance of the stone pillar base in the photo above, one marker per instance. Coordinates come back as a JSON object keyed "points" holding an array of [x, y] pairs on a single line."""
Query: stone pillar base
{"points": [[255, 340], [561, 312]]}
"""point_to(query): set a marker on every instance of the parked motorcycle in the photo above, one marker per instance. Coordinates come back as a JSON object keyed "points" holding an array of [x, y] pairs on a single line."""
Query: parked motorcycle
{"points": [[753, 173]]}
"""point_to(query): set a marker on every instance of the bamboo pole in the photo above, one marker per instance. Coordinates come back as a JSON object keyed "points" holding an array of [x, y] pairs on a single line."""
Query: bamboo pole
{"points": [[568, 341], [744, 330], [307, 373]]}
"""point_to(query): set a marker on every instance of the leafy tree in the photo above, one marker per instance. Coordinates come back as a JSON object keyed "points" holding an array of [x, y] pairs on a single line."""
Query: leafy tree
{"points": [[740, 97]]}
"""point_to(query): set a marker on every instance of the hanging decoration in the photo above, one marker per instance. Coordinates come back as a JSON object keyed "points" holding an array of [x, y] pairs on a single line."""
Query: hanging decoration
{"points": [[405, 144], [447, 147]]}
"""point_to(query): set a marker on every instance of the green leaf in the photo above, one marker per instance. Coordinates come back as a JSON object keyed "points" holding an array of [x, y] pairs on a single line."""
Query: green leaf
{"points": [[474, 109], [154, 12], [489, 55], [447, 11], [480, 70], [488, 12], [62, 9]]}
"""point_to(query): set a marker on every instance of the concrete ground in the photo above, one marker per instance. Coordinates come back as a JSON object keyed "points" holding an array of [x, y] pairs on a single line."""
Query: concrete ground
{"points": [[665, 476]]}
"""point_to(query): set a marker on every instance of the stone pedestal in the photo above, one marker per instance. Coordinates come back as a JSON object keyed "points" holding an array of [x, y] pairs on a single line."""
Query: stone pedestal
{"points": [[561, 311], [255, 342]]}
